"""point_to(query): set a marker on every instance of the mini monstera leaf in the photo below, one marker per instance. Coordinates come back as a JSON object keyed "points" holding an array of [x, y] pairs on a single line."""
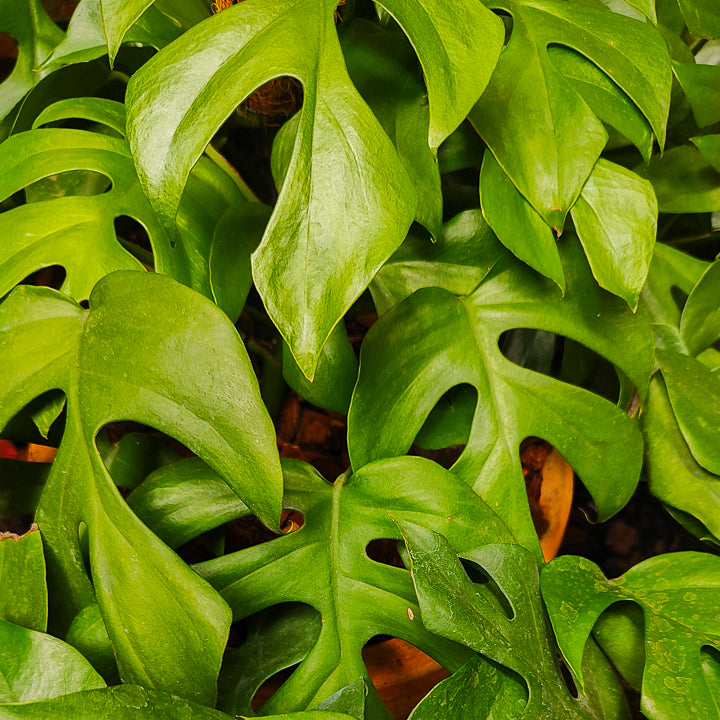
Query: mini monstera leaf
{"points": [[348, 201], [680, 420], [434, 341], [159, 25], [152, 351], [678, 595], [504, 621], [548, 139], [131, 702], [77, 231], [324, 564], [36, 35]]}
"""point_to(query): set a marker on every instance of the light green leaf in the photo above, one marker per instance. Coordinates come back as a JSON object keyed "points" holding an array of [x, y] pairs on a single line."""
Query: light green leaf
{"points": [[458, 45], [36, 666], [22, 574], [320, 249], [616, 220], [678, 594], [88, 634], [702, 17], [118, 16], [684, 181], [700, 321], [709, 146], [383, 67], [516, 223], [507, 625], [122, 361], [36, 35], [547, 139], [465, 252], [694, 394], [324, 564], [433, 341]]}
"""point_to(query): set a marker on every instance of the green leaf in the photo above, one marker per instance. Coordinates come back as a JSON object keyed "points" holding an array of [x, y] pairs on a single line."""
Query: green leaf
{"points": [[465, 252], [36, 666], [694, 394], [701, 84], [277, 638], [22, 574], [324, 564], [516, 223], [702, 17], [335, 376], [88, 634], [604, 97], [36, 35], [684, 181], [616, 220], [158, 26], [383, 67], [549, 167], [349, 700], [122, 360], [678, 594], [458, 45], [709, 146], [184, 499], [700, 321], [432, 342], [674, 476], [320, 249], [508, 626], [230, 272]]}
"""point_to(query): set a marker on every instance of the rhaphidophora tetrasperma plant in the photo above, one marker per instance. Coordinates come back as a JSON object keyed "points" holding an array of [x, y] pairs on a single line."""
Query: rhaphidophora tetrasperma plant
{"points": [[522, 192]]}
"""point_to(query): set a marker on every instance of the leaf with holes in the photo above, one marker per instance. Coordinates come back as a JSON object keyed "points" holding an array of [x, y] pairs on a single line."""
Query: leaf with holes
{"points": [[140, 353], [679, 596], [547, 139], [433, 341], [503, 620], [77, 231], [348, 201], [324, 564], [36, 35], [131, 702]]}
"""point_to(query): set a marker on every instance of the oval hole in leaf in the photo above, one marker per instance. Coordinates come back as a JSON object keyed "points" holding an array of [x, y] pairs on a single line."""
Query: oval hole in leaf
{"points": [[70, 183], [401, 674], [568, 678], [507, 22], [561, 357], [478, 576], [59, 11], [52, 276], [271, 686], [385, 552], [8, 55], [445, 432], [133, 236]]}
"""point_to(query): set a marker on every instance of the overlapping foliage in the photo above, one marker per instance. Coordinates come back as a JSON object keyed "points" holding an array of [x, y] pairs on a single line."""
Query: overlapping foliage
{"points": [[521, 191]]}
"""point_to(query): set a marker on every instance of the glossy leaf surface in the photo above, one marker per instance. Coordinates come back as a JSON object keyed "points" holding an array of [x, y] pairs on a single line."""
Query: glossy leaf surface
{"points": [[678, 595], [511, 630], [324, 564], [22, 574], [36, 666], [137, 370], [417, 354], [547, 139]]}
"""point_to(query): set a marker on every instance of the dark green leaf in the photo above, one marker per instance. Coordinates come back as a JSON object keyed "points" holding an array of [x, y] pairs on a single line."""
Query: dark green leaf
{"points": [[702, 17], [20, 486], [678, 594], [432, 342], [516, 635], [36, 666], [700, 321], [22, 575], [701, 84], [324, 564]]}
